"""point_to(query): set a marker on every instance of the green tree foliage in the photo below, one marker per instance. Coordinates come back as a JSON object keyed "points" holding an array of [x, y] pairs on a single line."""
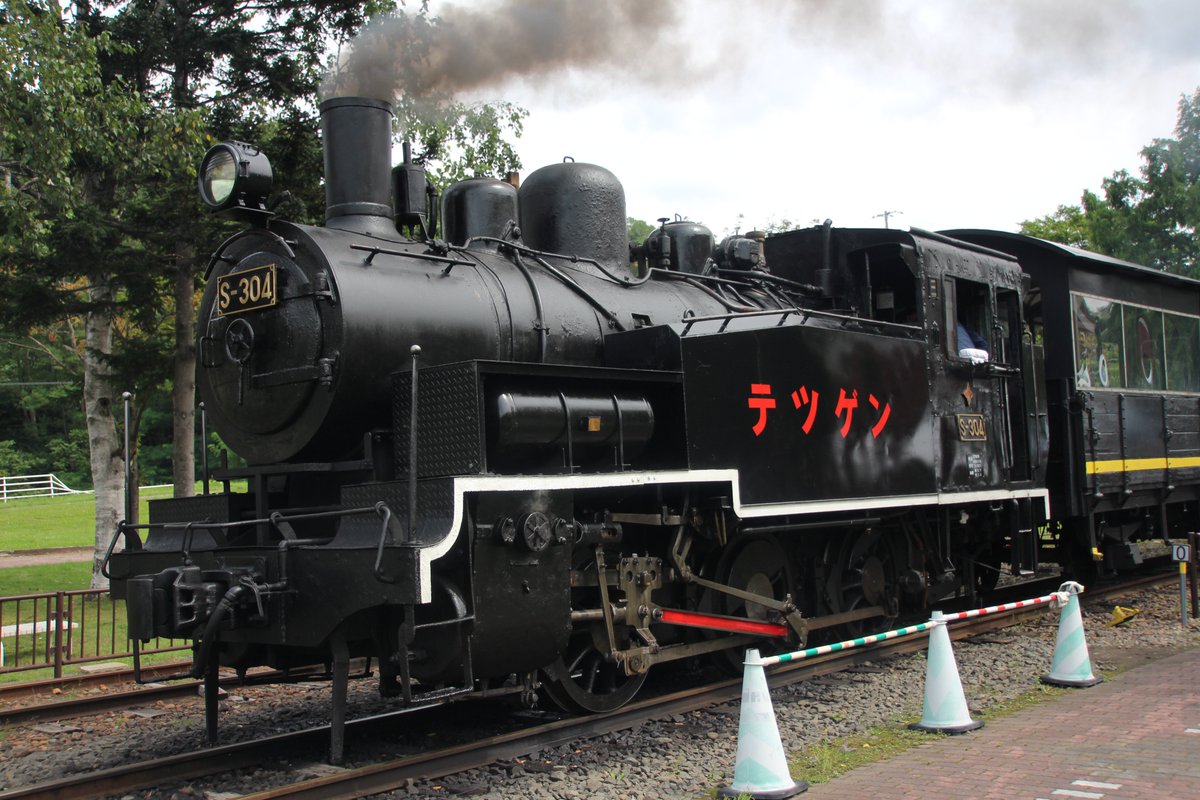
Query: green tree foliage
{"points": [[1068, 225], [463, 140], [637, 229], [41, 419], [105, 108], [78, 149], [1150, 218]]}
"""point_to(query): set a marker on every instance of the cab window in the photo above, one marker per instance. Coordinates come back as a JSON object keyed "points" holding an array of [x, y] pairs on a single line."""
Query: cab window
{"points": [[968, 320]]}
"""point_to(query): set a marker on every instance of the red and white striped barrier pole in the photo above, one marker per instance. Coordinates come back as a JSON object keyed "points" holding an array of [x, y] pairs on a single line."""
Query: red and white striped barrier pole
{"points": [[1056, 599], [849, 644]]}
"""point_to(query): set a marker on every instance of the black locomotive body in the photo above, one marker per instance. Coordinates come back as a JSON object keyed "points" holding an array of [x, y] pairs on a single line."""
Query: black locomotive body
{"points": [[499, 459]]}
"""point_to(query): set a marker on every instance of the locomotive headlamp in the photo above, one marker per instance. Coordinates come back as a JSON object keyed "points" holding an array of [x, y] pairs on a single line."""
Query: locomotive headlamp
{"points": [[237, 176]]}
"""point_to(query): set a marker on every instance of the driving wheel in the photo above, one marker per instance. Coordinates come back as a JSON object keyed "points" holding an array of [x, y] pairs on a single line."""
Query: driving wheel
{"points": [[586, 680], [865, 574], [760, 565]]}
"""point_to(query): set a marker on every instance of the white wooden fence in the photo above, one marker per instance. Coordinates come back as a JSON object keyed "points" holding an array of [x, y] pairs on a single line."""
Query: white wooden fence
{"points": [[14, 487]]}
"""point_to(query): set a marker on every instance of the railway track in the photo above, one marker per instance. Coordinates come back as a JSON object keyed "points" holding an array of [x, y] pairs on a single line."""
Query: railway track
{"points": [[59, 708], [11, 692], [379, 777]]}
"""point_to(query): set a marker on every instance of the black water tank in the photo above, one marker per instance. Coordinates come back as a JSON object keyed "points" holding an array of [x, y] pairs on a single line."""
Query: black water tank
{"points": [[575, 209], [478, 207]]}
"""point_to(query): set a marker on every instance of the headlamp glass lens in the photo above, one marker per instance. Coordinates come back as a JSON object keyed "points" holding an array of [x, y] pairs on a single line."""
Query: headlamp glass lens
{"points": [[220, 173]]}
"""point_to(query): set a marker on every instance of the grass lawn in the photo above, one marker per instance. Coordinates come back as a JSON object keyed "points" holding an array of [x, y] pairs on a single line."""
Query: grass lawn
{"points": [[45, 578], [61, 521]]}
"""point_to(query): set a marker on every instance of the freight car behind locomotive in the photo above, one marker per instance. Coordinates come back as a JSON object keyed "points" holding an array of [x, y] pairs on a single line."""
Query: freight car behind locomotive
{"points": [[500, 460]]}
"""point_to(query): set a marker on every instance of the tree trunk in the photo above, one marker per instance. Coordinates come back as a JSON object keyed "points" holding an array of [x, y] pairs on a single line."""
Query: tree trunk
{"points": [[100, 405], [183, 399]]}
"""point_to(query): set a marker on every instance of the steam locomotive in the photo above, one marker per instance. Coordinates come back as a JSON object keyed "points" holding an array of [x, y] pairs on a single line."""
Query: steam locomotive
{"points": [[487, 454]]}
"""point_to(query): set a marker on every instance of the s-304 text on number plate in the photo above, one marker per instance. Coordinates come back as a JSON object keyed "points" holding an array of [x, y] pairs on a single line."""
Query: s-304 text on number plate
{"points": [[247, 290]]}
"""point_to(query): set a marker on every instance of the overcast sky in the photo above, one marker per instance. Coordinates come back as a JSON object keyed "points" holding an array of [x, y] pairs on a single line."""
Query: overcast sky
{"points": [[953, 113]]}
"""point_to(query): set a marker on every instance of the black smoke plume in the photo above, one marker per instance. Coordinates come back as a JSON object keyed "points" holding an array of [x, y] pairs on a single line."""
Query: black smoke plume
{"points": [[460, 50]]}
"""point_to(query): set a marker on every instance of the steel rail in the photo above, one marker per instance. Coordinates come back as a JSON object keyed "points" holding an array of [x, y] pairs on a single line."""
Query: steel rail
{"points": [[83, 681], [96, 704], [70, 707]]}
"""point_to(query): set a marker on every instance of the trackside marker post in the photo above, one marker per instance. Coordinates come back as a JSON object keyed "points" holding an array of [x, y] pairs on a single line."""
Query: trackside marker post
{"points": [[1181, 553], [1183, 594]]}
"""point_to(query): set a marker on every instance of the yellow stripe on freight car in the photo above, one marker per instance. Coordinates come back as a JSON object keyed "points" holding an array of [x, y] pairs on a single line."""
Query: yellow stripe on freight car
{"points": [[1138, 464]]}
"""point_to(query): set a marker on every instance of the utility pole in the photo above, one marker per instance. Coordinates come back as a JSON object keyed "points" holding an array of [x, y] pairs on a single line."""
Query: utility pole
{"points": [[886, 216]]}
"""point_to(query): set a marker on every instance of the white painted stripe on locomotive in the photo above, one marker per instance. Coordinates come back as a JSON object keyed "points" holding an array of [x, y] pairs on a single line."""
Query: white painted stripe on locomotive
{"points": [[616, 480]]}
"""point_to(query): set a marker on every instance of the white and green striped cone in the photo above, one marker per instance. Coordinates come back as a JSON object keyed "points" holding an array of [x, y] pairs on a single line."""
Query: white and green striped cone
{"points": [[761, 771], [1071, 666], [945, 704]]}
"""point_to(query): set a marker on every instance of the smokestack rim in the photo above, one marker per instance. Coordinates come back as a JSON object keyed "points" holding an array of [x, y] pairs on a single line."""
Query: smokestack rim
{"points": [[354, 100]]}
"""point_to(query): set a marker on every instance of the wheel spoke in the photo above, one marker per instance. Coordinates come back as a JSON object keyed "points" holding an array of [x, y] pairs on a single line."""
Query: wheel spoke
{"points": [[590, 674], [867, 577], [574, 667]]}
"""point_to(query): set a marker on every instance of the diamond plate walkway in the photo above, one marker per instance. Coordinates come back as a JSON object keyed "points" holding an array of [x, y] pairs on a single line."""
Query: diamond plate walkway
{"points": [[1135, 736]]}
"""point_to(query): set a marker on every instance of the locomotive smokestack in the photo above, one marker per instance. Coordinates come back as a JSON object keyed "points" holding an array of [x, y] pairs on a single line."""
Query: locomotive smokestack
{"points": [[357, 137]]}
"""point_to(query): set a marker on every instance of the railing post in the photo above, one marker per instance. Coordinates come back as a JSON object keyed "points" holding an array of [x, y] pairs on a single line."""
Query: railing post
{"points": [[58, 633], [17, 638], [204, 445], [129, 510]]}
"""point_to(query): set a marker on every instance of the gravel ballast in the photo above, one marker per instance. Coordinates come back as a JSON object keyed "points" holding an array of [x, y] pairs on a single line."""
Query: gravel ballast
{"points": [[686, 756]]}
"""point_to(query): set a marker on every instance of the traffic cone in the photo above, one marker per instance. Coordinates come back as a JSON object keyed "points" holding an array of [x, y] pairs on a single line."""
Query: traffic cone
{"points": [[1071, 665], [945, 704], [761, 770]]}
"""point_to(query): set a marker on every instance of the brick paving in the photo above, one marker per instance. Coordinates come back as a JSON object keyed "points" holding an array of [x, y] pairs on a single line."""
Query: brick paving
{"points": [[1135, 736]]}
